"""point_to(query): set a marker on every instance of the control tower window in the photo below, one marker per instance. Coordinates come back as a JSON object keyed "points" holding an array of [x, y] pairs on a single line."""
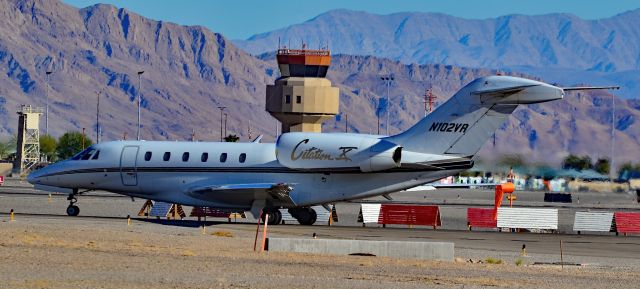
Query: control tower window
{"points": [[298, 99], [166, 156], [243, 157], [185, 157], [147, 156], [287, 98], [204, 157], [223, 157]]}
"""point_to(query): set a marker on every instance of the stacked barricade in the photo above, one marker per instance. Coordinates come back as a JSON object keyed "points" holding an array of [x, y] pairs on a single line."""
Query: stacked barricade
{"points": [[627, 222], [594, 222], [396, 214], [528, 218], [619, 222], [393, 214]]}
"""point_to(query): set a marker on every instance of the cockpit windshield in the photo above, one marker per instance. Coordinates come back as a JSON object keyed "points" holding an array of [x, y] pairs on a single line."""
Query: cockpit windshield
{"points": [[85, 154]]}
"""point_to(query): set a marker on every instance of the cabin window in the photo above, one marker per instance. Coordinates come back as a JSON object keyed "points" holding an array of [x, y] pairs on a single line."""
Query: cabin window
{"points": [[185, 157], [166, 156], [298, 99], [96, 155], [87, 155], [147, 156], [287, 98], [223, 157], [204, 157], [82, 153], [243, 157]]}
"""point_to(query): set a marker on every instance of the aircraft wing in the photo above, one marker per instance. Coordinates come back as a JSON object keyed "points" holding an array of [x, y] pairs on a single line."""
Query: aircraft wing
{"points": [[442, 186], [277, 193], [434, 186]]}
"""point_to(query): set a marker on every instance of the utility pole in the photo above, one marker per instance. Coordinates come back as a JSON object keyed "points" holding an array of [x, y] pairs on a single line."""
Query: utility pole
{"points": [[249, 130], [388, 79], [83, 137], [139, 99], [98, 117], [221, 108], [46, 111]]}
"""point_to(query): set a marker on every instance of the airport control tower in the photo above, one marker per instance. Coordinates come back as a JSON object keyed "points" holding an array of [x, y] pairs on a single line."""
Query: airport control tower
{"points": [[302, 98]]}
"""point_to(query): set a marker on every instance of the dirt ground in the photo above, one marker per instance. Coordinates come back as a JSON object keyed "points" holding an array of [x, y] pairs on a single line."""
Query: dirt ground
{"points": [[44, 252]]}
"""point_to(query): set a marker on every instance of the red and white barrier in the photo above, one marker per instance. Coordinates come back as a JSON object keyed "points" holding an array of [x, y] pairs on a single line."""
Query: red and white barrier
{"points": [[593, 222], [481, 218], [528, 218], [627, 222], [410, 215], [369, 213]]}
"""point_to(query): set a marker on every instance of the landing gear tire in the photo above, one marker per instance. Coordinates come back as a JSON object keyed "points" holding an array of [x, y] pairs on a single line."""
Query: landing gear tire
{"points": [[73, 210], [275, 216], [305, 216]]}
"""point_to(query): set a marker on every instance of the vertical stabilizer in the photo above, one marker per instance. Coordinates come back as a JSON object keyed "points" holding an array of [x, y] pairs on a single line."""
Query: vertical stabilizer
{"points": [[463, 124]]}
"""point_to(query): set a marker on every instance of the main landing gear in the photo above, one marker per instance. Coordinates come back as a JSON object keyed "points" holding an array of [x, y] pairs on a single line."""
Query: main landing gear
{"points": [[305, 216], [72, 209], [275, 216]]}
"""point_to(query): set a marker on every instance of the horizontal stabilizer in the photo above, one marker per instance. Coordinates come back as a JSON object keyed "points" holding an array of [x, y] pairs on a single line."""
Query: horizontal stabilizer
{"points": [[589, 88]]}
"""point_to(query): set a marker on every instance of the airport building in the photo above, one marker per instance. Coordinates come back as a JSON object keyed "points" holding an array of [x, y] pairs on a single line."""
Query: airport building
{"points": [[302, 98]]}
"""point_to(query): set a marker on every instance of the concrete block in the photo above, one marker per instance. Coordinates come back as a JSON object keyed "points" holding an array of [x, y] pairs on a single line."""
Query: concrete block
{"points": [[442, 251]]}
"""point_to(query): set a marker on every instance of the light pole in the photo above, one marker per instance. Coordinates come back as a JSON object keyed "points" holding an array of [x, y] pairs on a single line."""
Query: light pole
{"points": [[221, 108], [139, 100], [98, 117], [346, 123], [388, 79], [225, 124], [46, 113], [613, 135]]}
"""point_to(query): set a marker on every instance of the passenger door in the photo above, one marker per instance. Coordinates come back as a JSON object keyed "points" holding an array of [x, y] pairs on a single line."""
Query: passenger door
{"points": [[128, 166]]}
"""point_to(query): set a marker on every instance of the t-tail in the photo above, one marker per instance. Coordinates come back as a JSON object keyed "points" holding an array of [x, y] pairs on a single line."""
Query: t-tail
{"points": [[463, 124]]}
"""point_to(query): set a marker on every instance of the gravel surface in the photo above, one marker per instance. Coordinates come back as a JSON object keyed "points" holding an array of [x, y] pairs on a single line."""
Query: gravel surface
{"points": [[43, 248], [38, 252]]}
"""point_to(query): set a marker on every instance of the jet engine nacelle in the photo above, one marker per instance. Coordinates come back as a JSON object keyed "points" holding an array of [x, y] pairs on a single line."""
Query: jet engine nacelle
{"points": [[336, 152]]}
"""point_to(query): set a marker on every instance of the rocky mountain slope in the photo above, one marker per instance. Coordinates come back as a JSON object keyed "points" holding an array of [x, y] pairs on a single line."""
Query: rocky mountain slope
{"points": [[553, 46], [190, 71]]}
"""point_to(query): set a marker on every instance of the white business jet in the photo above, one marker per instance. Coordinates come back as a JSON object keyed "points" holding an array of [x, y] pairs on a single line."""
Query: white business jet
{"points": [[301, 169]]}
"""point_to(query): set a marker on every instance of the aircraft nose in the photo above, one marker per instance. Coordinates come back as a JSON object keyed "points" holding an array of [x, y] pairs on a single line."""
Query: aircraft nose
{"points": [[33, 177]]}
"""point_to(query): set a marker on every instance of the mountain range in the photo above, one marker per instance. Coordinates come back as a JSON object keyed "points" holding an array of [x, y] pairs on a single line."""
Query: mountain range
{"points": [[558, 47], [190, 71]]}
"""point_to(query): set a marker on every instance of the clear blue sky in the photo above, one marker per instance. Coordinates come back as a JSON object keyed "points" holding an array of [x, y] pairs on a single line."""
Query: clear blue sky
{"points": [[239, 19]]}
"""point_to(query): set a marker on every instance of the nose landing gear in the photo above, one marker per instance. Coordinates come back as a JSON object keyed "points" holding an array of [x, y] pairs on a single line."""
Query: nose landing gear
{"points": [[72, 209]]}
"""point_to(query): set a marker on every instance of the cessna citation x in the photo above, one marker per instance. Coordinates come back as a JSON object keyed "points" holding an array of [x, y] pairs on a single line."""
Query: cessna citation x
{"points": [[301, 169]]}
